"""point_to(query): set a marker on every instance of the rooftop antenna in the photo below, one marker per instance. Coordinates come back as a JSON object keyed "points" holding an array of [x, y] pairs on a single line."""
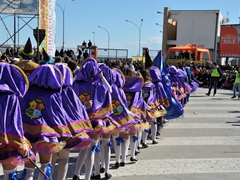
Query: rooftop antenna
{"points": [[227, 17]]}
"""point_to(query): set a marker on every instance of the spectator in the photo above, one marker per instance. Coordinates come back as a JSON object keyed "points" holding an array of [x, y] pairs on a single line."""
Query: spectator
{"points": [[194, 69], [206, 76], [215, 77], [89, 44], [72, 65], [79, 53], [58, 59], [85, 54], [237, 84], [84, 45], [3, 59]]}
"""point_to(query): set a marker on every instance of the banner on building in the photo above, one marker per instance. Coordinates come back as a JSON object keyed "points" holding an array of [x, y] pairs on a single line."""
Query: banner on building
{"points": [[47, 21], [230, 41], [19, 7]]}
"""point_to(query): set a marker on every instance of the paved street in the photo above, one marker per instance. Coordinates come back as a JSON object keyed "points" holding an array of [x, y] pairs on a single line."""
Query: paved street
{"points": [[204, 144]]}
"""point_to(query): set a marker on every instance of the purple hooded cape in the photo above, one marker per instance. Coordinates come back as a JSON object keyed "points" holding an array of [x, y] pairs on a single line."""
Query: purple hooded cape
{"points": [[89, 86], [177, 81], [148, 94], [174, 110], [151, 100], [44, 118], [119, 102], [160, 93], [77, 117], [13, 86], [194, 86], [133, 92]]}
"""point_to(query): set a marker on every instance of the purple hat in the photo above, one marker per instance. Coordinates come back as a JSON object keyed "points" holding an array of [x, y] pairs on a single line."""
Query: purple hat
{"points": [[155, 74], [13, 79], [89, 71], [66, 74], [108, 74], [172, 70], [47, 76], [120, 78]]}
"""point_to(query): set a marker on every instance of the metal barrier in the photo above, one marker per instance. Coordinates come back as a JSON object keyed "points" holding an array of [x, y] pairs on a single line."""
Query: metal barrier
{"points": [[104, 53]]}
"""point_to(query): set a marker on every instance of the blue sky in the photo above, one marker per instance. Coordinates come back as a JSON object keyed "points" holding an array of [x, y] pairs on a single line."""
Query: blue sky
{"points": [[82, 18]]}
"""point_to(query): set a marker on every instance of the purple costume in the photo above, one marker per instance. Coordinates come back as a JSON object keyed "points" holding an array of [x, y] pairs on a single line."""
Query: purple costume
{"points": [[135, 101], [13, 86], [150, 98], [120, 110], [77, 118], [159, 89], [89, 86], [44, 118], [177, 82]]}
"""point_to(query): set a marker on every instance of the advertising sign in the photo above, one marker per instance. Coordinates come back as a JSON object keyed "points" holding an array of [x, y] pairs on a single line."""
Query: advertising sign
{"points": [[230, 41], [19, 7], [47, 21]]}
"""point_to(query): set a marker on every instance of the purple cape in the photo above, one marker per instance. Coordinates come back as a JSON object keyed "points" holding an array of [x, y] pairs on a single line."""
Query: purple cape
{"points": [[133, 92], [44, 117], [88, 86], [13, 86], [174, 110], [119, 102], [159, 91], [77, 117], [177, 81], [148, 94]]}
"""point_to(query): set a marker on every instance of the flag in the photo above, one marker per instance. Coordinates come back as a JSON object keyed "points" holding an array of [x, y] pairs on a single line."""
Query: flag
{"points": [[160, 63], [148, 60], [174, 110]]}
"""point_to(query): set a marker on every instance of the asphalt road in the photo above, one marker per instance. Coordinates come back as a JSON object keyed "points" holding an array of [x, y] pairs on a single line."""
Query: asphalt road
{"points": [[204, 144]]}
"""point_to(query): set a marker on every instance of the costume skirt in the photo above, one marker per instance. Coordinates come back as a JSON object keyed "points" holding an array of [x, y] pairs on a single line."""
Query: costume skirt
{"points": [[12, 138]]}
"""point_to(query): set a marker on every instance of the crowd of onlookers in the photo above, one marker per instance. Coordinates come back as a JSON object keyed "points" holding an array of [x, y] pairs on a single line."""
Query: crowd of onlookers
{"points": [[201, 72]]}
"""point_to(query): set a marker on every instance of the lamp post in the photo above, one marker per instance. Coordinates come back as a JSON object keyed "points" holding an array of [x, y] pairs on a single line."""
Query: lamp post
{"points": [[159, 12], [94, 37], [139, 29], [63, 12], [108, 38]]}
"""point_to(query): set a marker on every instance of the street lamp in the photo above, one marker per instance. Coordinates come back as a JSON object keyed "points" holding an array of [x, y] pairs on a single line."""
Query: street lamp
{"points": [[63, 12], [159, 12], [139, 28], [94, 37], [108, 38]]}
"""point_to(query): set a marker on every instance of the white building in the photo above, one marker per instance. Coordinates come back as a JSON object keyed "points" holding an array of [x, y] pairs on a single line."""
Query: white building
{"points": [[200, 27]]}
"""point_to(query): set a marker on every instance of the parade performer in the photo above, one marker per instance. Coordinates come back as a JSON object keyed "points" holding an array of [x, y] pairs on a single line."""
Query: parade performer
{"points": [[14, 147], [26, 56], [90, 86], [78, 122], [105, 144], [159, 93], [44, 118], [151, 100], [135, 102], [177, 83]]}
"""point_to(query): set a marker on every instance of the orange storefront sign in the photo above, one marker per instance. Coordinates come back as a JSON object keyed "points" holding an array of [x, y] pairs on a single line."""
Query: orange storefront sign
{"points": [[229, 41]]}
